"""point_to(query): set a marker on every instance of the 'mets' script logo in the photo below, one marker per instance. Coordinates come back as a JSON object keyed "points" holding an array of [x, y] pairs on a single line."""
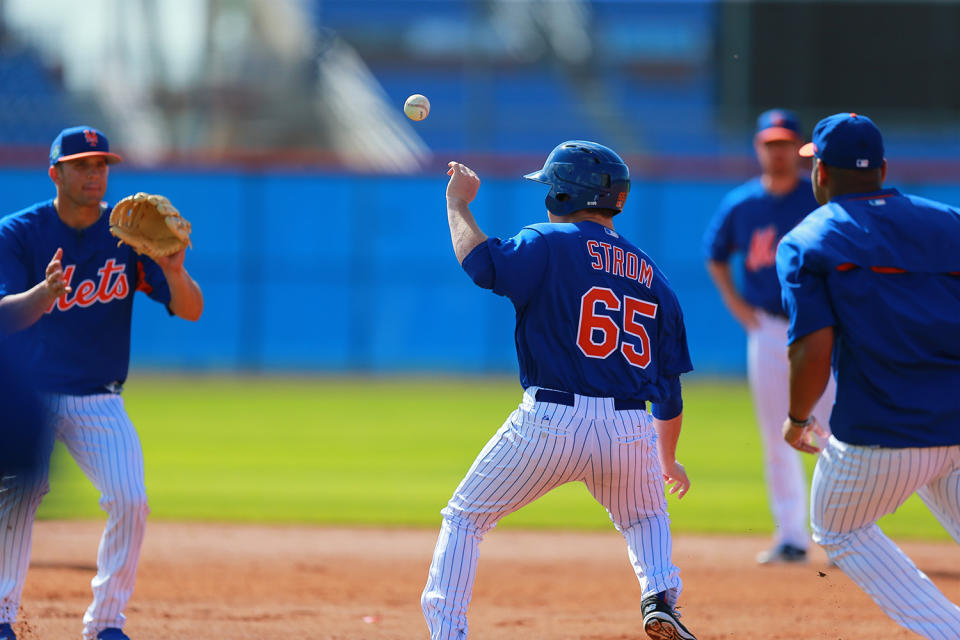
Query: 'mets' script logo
{"points": [[763, 249], [113, 285]]}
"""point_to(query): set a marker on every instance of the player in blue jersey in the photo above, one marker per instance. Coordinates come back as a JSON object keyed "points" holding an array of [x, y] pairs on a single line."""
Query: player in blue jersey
{"points": [[871, 281], [599, 334], [66, 296], [750, 221]]}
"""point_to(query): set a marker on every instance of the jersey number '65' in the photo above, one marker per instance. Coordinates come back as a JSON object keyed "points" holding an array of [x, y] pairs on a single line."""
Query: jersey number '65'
{"points": [[593, 325]]}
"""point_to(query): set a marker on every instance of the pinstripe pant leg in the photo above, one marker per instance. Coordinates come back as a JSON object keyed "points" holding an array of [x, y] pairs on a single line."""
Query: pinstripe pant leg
{"points": [[19, 498], [529, 455], [449, 587], [852, 488], [450, 581], [105, 444], [627, 480]]}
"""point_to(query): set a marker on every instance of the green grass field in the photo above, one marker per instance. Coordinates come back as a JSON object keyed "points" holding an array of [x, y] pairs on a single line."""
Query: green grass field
{"points": [[391, 451]]}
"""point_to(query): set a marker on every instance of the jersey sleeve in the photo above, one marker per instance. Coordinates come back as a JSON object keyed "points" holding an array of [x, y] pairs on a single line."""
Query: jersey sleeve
{"points": [[674, 352], [803, 287], [14, 277], [151, 281], [672, 406], [479, 265], [512, 268], [718, 239]]}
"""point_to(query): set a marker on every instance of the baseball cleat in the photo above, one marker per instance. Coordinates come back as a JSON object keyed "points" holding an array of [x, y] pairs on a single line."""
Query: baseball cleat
{"points": [[782, 554], [6, 632], [661, 622], [112, 633]]}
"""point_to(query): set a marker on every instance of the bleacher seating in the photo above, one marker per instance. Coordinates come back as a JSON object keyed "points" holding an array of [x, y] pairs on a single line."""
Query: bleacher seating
{"points": [[649, 88], [33, 105], [656, 63]]}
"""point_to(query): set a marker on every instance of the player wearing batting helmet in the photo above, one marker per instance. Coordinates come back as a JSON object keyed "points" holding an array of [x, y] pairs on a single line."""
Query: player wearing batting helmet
{"points": [[871, 281], [750, 221], [599, 334]]}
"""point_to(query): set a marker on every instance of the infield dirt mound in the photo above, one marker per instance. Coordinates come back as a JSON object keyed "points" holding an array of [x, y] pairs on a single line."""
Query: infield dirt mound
{"points": [[233, 582]]}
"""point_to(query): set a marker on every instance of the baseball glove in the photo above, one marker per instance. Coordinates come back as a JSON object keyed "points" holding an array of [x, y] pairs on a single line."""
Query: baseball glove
{"points": [[149, 224]]}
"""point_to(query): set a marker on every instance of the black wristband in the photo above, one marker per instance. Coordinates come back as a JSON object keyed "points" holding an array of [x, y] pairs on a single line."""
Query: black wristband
{"points": [[800, 423]]}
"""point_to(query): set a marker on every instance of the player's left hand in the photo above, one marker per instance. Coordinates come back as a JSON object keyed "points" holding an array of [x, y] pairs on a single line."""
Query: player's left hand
{"points": [[675, 478], [802, 438]]}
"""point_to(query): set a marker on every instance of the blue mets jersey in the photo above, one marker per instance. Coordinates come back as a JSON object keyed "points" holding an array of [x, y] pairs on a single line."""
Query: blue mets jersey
{"points": [[595, 316], [883, 270], [81, 345], [751, 221]]}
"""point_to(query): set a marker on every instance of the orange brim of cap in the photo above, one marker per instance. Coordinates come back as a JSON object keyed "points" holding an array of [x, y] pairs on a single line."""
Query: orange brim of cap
{"points": [[775, 134], [808, 150], [112, 158]]}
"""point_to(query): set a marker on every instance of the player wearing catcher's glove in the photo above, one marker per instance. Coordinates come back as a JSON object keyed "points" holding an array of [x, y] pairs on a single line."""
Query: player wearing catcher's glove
{"points": [[150, 224]]}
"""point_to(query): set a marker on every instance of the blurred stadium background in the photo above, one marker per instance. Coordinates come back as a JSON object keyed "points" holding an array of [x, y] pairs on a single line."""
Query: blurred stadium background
{"points": [[320, 234]]}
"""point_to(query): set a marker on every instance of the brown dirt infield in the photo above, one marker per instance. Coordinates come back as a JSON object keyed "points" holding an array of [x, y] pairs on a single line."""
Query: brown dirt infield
{"points": [[232, 582]]}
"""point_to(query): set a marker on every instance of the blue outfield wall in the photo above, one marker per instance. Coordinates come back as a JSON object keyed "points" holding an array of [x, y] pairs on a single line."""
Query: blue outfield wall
{"points": [[349, 273]]}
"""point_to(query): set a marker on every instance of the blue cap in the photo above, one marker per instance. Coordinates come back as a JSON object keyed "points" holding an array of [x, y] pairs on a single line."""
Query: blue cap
{"points": [[846, 141], [81, 142], [777, 124]]}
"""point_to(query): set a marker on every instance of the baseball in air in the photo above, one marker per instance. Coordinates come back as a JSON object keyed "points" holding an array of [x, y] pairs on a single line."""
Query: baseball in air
{"points": [[417, 107]]}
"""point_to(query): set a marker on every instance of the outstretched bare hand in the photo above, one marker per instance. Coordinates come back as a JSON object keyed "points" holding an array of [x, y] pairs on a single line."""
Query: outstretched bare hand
{"points": [[55, 281]]}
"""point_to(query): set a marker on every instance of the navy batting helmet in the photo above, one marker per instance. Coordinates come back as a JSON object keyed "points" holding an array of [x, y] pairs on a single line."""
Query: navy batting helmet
{"points": [[583, 175]]}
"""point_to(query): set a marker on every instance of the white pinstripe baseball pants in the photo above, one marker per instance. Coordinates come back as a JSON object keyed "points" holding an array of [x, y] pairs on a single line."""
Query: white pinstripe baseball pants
{"points": [[541, 446], [768, 371], [99, 435], [853, 487]]}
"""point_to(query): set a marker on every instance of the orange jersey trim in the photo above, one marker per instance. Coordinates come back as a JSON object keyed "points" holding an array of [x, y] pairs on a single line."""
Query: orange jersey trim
{"points": [[142, 284]]}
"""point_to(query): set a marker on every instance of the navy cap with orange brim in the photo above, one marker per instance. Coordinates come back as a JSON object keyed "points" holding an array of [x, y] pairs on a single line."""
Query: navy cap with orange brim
{"points": [[81, 142], [777, 124], [846, 141]]}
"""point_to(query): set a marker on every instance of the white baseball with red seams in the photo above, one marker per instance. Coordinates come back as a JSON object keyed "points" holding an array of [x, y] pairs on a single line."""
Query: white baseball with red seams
{"points": [[417, 107]]}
